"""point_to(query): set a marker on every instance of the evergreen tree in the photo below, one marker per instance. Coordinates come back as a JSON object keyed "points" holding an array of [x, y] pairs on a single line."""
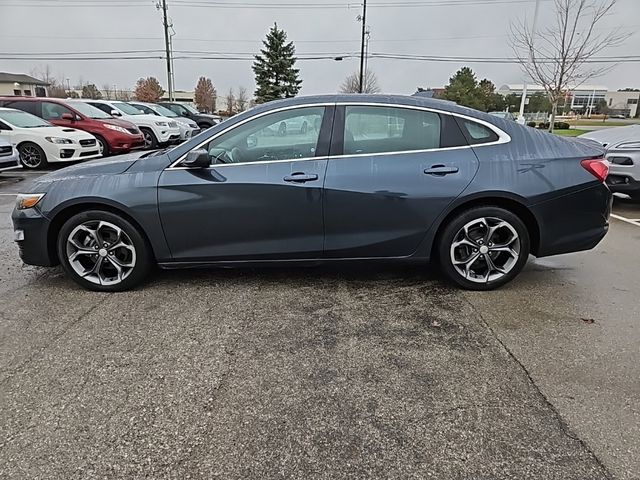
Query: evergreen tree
{"points": [[276, 76]]}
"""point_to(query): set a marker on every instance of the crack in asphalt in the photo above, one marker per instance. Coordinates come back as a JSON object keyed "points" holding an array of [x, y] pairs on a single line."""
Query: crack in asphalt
{"points": [[10, 373], [564, 426]]}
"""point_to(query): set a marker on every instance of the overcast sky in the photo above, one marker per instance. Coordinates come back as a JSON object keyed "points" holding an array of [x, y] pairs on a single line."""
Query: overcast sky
{"points": [[471, 30]]}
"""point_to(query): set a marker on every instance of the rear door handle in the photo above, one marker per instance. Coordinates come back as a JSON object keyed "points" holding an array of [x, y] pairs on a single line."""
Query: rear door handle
{"points": [[441, 170], [300, 177]]}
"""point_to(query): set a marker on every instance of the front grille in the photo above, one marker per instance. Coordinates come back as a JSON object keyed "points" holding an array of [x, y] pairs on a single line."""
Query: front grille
{"points": [[5, 151], [173, 124], [90, 142], [133, 130], [86, 154]]}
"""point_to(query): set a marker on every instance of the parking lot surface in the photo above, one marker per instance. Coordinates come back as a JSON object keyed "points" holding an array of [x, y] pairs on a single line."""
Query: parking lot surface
{"points": [[362, 372]]}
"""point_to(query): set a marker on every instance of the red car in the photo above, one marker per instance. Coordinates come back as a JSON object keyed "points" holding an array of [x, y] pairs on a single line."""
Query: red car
{"points": [[113, 135]]}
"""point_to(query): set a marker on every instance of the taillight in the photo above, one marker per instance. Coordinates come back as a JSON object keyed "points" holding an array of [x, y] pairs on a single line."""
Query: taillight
{"points": [[597, 167]]}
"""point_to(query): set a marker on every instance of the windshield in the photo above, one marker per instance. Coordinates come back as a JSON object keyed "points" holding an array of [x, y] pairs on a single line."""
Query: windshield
{"points": [[191, 109], [126, 108], [165, 112], [88, 110], [21, 119]]}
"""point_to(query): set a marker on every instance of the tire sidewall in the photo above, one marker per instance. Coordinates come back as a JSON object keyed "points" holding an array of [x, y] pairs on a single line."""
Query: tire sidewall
{"points": [[143, 250], [446, 239], [154, 140], [43, 156], [105, 145]]}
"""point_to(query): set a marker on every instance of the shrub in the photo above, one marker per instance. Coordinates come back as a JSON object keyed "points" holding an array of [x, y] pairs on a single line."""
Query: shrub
{"points": [[531, 124], [561, 125]]}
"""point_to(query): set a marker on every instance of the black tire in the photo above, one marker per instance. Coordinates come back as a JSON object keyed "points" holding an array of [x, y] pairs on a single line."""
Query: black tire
{"points": [[103, 145], [479, 277], [135, 272], [150, 140], [32, 157], [204, 126]]}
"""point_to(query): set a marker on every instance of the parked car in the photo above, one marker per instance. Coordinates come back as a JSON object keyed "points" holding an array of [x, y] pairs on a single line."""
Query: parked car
{"points": [[204, 120], [157, 131], [113, 135], [623, 153], [188, 128], [475, 192], [8, 155], [39, 143]]}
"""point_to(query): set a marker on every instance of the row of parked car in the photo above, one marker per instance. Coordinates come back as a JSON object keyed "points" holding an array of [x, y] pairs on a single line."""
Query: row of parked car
{"points": [[46, 130]]}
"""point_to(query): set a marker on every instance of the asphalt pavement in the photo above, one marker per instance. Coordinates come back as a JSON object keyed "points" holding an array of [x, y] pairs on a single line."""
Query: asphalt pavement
{"points": [[364, 372]]}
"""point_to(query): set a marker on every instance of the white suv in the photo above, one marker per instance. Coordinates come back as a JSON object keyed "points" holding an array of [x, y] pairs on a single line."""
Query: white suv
{"points": [[157, 131], [188, 128]]}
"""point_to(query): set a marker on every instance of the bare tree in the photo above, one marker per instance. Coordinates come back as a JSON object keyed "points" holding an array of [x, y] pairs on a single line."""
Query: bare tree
{"points": [[242, 99], [560, 56], [351, 84], [106, 90], [231, 100]]}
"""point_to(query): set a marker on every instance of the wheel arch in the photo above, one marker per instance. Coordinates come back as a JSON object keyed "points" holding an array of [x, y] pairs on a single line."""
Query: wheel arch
{"points": [[514, 204], [69, 210]]}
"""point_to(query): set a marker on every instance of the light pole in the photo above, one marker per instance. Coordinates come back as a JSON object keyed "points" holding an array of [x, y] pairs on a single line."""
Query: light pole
{"points": [[364, 32], [524, 83]]}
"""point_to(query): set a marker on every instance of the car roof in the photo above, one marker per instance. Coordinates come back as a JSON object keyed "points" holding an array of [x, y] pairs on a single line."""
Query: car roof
{"points": [[6, 109]]}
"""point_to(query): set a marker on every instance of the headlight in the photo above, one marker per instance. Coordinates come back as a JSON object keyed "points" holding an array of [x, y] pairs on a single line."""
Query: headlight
{"points": [[58, 140], [629, 146], [115, 127], [28, 200], [161, 124]]}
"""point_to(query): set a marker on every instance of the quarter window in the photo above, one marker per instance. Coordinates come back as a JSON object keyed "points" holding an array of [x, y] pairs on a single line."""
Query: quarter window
{"points": [[287, 135], [477, 133], [371, 130]]}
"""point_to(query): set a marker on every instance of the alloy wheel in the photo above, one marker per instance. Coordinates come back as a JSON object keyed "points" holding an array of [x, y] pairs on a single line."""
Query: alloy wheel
{"points": [[101, 252], [30, 156], [485, 249], [148, 140]]}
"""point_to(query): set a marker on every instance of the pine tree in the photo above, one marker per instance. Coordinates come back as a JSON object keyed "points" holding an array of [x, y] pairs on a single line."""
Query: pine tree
{"points": [[276, 76]]}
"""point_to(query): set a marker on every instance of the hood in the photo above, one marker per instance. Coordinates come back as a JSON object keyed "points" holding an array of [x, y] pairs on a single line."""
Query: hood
{"points": [[64, 132], [212, 117], [146, 119], [116, 121], [612, 136], [101, 166]]}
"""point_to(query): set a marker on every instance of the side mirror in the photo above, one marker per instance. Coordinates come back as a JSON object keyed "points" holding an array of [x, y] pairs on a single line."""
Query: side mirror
{"points": [[68, 116], [115, 113], [197, 159]]}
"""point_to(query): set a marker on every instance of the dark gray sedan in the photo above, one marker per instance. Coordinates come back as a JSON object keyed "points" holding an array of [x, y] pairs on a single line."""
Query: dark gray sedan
{"points": [[371, 178]]}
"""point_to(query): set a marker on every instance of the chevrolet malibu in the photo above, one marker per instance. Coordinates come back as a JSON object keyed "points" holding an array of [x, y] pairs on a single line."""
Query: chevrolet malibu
{"points": [[382, 178]]}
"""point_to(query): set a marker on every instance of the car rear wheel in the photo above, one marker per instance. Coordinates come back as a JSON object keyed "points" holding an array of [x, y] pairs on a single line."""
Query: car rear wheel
{"points": [[483, 248], [104, 252], [31, 156], [150, 140], [103, 146]]}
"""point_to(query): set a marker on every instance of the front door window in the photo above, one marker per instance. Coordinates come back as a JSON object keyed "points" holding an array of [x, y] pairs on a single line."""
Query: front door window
{"points": [[288, 135]]}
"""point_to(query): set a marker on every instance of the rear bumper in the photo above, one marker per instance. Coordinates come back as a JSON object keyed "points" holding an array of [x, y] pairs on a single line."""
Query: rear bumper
{"points": [[32, 228], [574, 222], [623, 183]]}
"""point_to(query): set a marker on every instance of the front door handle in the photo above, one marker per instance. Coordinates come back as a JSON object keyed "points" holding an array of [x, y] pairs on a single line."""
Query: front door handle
{"points": [[441, 170], [300, 177]]}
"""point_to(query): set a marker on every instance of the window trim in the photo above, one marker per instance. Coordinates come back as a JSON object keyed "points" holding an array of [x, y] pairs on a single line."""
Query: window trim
{"points": [[339, 114]]}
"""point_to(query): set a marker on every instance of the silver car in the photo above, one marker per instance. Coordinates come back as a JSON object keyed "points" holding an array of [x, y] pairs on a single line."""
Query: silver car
{"points": [[8, 155], [623, 153]]}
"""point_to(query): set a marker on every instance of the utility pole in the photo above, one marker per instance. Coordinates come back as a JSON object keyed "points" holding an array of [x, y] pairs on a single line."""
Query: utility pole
{"points": [[167, 48], [364, 32], [524, 84]]}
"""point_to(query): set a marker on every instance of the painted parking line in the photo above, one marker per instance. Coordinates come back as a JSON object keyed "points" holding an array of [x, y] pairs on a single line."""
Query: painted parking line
{"points": [[627, 220]]}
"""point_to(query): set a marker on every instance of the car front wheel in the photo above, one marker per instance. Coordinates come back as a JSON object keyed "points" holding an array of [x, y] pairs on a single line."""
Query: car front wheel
{"points": [[31, 156], [150, 140], [104, 252], [483, 248]]}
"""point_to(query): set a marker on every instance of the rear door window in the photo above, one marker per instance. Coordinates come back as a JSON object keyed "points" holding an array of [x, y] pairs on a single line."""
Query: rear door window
{"points": [[371, 130], [29, 107]]}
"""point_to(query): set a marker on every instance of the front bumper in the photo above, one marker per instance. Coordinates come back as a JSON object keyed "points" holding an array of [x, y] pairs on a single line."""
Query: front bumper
{"points": [[167, 135], [573, 222], [30, 233], [9, 160], [122, 143], [72, 153]]}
